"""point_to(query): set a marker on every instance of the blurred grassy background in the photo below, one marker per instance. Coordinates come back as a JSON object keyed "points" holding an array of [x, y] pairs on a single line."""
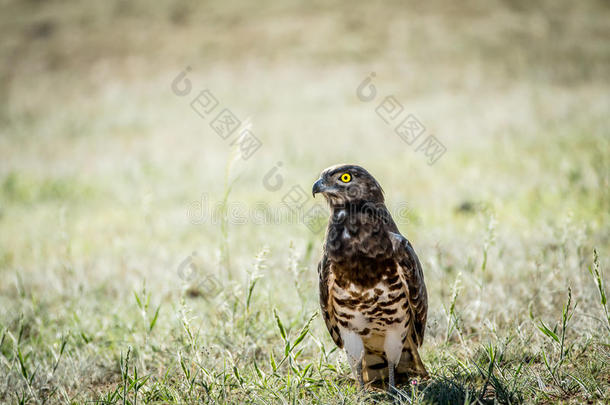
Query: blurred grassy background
{"points": [[100, 162]]}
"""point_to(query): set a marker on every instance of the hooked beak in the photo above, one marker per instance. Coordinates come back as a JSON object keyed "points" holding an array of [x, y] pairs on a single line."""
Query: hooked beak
{"points": [[318, 187]]}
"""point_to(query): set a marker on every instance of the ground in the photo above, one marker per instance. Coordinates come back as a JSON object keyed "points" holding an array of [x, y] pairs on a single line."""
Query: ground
{"points": [[145, 258]]}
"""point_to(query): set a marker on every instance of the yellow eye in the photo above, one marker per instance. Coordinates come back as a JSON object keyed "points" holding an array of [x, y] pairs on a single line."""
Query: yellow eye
{"points": [[346, 178]]}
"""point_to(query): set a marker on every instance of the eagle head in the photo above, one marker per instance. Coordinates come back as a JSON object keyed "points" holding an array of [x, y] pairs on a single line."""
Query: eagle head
{"points": [[346, 185]]}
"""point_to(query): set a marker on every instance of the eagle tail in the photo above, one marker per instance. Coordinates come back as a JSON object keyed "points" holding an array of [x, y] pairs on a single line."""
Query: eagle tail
{"points": [[410, 364], [375, 366]]}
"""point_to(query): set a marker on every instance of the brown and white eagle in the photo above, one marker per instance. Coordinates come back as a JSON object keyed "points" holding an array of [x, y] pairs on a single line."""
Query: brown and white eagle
{"points": [[372, 290]]}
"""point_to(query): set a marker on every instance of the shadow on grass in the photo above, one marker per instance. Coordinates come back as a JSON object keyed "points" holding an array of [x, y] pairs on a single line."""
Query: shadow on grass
{"points": [[446, 390], [459, 388]]}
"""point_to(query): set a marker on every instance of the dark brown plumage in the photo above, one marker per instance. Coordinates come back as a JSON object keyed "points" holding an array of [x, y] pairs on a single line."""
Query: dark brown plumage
{"points": [[372, 290]]}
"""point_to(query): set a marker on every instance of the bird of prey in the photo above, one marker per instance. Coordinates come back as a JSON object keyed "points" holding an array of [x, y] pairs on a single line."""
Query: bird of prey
{"points": [[372, 290]]}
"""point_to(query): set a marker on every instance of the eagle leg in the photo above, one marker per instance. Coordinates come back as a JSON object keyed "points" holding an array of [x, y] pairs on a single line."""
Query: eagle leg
{"points": [[393, 351], [354, 348], [359, 374], [391, 378]]}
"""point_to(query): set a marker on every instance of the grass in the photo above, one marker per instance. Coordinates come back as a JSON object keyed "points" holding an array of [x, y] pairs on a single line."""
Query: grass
{"points": [[114, 290]]}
